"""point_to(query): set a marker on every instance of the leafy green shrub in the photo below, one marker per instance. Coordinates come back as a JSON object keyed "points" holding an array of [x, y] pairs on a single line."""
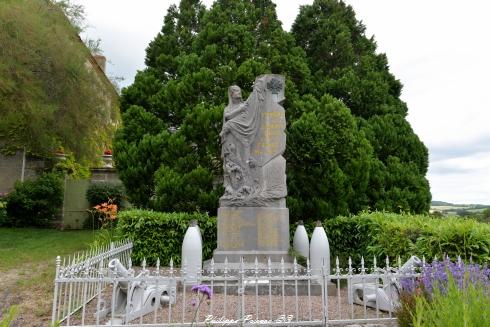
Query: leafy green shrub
{"points": [[470, 308], [72, 168], [348, 237], [3, 211], [35, 202], [384, 234], [101, 192], [160, 235], [484, 216]]}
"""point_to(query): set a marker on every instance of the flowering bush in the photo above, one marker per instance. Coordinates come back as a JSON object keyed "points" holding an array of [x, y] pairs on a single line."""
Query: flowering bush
{"points": [[446, 291], [106, 214], [107, 211], [438, 273]]}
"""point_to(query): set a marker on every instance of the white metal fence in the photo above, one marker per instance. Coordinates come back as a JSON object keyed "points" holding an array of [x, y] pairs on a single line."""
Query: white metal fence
{"points": [[70, 294], [97, 292]]}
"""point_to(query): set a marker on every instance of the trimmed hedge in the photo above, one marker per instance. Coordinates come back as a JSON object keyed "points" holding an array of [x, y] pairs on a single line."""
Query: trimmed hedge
{"points": [[160, 235], [384, 234], [380, 234]]}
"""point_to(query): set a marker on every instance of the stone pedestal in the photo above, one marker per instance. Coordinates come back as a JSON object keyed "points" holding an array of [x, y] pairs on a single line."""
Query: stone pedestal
{"points": [[251, 232]]}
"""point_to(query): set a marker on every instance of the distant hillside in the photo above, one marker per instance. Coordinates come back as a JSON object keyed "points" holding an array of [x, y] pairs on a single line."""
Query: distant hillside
{"points": [[440, 203], [451, 209]]}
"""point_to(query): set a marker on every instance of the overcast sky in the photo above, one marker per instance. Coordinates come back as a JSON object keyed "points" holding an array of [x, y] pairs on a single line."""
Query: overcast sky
{"points": [[439, 49]]}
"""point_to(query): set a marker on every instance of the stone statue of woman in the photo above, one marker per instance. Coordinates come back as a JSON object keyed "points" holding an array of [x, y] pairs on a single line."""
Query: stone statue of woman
{"points": [[241, 121]]}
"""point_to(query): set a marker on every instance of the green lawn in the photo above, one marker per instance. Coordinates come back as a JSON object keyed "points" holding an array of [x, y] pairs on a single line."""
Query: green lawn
{"points": [[20, 246], [27, 264]]}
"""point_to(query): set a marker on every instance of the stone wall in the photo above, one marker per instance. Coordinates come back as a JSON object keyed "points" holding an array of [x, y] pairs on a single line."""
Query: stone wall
{"points": [[11, 170], [75, 205]]}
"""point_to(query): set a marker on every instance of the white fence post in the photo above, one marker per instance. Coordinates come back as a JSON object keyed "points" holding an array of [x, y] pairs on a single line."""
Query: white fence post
{"points": [[56, 286]]}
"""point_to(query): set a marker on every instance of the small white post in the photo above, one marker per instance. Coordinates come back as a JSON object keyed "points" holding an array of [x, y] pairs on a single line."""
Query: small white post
{"points": [[319, 251], [55, 296], [22, 174], [192, 252], [301, 243]]}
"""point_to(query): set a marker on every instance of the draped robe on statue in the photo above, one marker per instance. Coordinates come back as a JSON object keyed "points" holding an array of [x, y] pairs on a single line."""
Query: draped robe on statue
{"points": [[243, 164]]}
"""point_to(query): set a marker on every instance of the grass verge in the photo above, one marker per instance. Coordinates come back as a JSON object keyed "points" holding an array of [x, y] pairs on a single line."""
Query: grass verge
{"points": [[27, 265], [19, 246]]}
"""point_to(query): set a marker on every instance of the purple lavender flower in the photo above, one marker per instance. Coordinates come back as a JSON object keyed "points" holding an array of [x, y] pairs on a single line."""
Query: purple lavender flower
{"points": [[409, 284], [204, 289], [438, 273]]}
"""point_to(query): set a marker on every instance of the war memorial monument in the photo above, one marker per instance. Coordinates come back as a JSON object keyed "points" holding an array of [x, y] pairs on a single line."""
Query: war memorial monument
{"points": [[253, 220]]}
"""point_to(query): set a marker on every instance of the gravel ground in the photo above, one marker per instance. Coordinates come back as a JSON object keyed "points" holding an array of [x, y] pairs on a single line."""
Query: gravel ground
{"points": [[228, 308]]}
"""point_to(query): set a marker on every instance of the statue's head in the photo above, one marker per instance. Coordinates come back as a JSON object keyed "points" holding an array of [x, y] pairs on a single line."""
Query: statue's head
{"points": [[235, 94]]}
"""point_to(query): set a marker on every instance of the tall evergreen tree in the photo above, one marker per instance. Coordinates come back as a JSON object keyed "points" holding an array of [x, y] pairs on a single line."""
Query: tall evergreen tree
{"points": [[345, 64], [168, 151]]}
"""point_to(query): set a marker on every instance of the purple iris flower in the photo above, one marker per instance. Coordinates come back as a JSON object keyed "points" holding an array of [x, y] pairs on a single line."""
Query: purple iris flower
{"points": [[204, 289]]}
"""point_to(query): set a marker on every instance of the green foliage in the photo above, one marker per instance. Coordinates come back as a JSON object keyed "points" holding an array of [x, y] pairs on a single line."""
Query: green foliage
{"points": [[340, 101], [485, 216], [50, 94], [456, 307], [3, 212], [72, 168], [397, 181], [384, 234], [328, 162], [138, 151], [160, 235], [301, 260], [103, 238], [100, 192], [348, 237], [344, 63], [8, 317], [184, 192], [35, 202]]}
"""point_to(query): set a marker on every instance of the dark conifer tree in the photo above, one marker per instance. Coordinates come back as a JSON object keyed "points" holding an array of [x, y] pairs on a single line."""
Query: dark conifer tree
{"points": [[345, 64], [168, 151]]}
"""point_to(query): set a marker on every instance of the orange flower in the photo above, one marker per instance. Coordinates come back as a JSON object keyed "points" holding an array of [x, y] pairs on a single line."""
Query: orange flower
{"points": [[108, 210]]}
